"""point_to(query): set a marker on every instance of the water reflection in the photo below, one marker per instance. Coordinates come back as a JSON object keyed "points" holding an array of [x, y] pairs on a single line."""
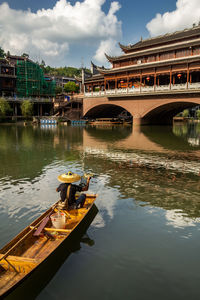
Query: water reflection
{"points": [[148, 186], [189, 132], [140, 151], [148, 164], [177, 219]]}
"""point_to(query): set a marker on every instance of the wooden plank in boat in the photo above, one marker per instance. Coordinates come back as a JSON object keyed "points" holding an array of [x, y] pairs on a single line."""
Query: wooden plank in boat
{"points": [[22, 264], [56, 229]]}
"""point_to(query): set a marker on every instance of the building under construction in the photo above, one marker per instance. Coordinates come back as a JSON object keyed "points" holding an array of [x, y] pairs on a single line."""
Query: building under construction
{"points": [[31, 81]]}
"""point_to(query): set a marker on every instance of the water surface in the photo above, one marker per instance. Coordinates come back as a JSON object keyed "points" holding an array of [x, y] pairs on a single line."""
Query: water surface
{"points": [[144, 242]]}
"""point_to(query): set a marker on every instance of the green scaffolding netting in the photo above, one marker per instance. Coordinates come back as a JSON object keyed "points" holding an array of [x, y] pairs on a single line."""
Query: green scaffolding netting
{"points": [[31, 81]]}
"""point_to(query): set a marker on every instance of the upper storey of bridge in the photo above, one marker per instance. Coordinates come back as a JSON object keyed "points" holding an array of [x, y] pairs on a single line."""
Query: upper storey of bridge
{"points": [[171, 46], [162, 40]]}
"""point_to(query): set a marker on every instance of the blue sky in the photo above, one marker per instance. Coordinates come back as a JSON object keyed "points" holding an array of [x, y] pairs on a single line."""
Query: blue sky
{"points": [[67, 33]]}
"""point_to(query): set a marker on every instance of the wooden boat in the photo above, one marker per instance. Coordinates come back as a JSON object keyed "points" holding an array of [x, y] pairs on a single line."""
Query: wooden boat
{"points": [[105, 121], [29, 250]]}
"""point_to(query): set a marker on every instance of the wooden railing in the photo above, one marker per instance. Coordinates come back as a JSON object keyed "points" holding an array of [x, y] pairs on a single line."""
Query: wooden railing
{"points": [[146, 89]]}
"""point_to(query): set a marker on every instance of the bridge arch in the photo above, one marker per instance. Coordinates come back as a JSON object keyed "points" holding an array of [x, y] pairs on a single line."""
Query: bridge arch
{"points": [[106, 110], [148, 109], [164, 113]]}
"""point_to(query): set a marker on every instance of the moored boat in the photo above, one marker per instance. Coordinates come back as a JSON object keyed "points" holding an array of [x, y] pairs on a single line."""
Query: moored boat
{"points": [[37, 242], [105, 121]]}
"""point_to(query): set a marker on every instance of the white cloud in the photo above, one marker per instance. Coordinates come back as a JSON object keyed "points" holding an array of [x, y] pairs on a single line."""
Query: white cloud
{"points": [[109, 47], [187, 13], [51, 32]]}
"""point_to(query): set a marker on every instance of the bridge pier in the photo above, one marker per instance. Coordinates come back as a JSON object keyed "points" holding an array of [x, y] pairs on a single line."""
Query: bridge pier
{"points": [[40, 109], [137, 121]]}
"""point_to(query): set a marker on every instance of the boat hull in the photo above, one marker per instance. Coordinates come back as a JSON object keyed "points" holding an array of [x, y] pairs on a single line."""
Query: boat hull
{"points": [[47, 265]]}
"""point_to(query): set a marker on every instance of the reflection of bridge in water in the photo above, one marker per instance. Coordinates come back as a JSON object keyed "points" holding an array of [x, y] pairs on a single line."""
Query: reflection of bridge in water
{"points": [[142, 146]]}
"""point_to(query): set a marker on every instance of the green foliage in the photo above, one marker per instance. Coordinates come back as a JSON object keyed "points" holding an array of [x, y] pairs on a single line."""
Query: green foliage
{"points": [[25, 55], [185, 113], [71, 87], [2, 53], [63, 71], [198, 114], [27, 108], [58, 90], [4, 107]]}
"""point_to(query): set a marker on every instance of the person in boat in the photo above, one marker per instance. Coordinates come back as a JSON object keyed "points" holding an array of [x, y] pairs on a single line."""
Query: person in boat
{"points": [[68, 190]]}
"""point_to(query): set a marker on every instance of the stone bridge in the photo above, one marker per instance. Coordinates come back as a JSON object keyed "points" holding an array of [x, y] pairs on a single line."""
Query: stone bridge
{"points": [[145, 109]]}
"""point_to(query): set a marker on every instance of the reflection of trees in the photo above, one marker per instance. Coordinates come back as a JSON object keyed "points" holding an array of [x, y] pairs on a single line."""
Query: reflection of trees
{"points": [[157, 188], [25, 151], [180, 130], [170, 138], [189, 132]]}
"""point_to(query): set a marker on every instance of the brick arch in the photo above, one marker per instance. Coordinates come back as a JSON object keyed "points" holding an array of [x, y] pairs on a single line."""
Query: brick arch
{"points": [[164, 113], [104, 110]]}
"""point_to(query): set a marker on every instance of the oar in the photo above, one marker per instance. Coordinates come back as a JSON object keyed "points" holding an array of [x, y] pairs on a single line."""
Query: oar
{"points": [[44, 222], [32, 229]]}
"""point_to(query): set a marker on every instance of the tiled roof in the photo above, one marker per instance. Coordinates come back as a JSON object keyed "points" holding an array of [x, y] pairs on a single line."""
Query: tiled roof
{"points": [[166, 38]]}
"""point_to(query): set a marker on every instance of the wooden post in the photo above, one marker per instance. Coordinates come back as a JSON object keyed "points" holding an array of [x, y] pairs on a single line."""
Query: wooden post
{"points": [[15, 109], [140, 81], [155, 80], [40, 109], [188, 74], [170, 78]]}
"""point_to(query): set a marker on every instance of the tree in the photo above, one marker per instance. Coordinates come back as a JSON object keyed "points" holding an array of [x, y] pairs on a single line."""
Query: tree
{"points": [[71, 87], [2, 53], [25, 55], [4, 107], [185, 113], [42, 65], [58, 90], [27, 108], [198, 114]]}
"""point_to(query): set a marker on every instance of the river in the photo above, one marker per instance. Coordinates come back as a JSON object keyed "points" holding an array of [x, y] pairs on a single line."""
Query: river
{"points": [[144, 242]]}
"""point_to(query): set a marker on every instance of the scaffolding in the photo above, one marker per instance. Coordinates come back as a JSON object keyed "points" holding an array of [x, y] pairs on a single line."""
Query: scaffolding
{"points": [[31, 81]]}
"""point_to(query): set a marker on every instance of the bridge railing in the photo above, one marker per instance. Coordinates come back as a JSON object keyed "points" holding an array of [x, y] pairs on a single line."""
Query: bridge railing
{"points": [[21, 99], [145, 89]]}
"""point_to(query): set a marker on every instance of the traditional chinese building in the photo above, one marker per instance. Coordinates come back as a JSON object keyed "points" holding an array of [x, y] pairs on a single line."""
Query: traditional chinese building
{"points": [[7, 79], [158, 67]]}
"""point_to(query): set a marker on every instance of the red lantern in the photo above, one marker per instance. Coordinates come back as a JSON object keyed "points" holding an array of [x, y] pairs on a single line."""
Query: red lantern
{"points": [[179, 76], [148, 78]]}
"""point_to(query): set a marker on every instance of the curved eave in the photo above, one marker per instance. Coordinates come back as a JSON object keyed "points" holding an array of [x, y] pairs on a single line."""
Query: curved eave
{"points": [[110, 58], [92, 64], [102, 70], [124, 48], [78, 78]]}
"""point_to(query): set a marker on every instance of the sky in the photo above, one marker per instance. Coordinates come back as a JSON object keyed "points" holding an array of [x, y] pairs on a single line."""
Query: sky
{"points": [[74, 33]]}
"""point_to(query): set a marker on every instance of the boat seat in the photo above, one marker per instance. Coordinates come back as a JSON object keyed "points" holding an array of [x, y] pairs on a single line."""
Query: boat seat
{"points": [[22, 264]]}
